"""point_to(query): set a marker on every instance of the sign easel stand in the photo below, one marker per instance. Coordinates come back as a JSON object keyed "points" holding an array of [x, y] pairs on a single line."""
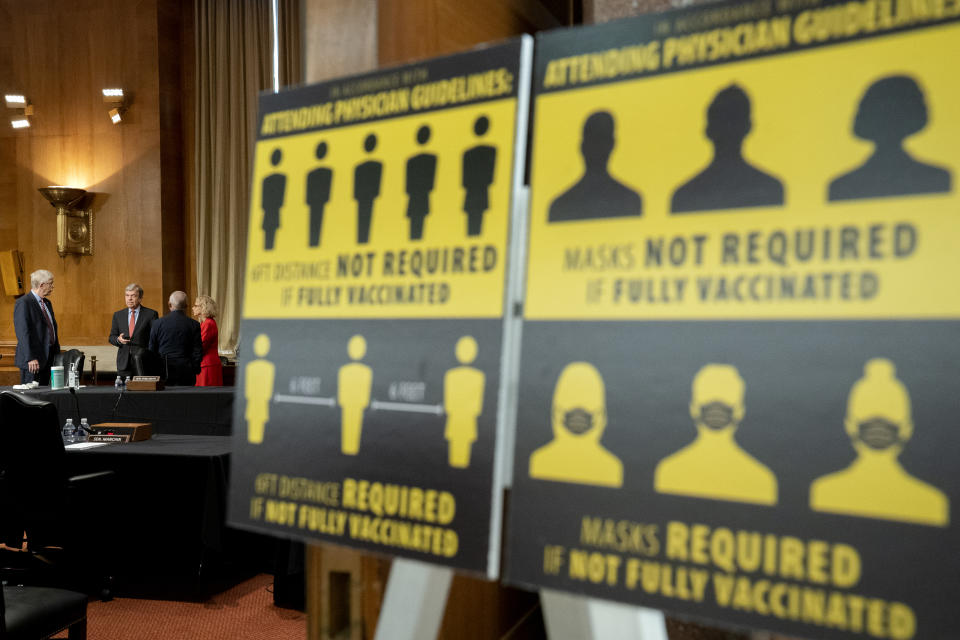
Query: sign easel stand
{"points": [[573, 617], [416, 595], [415, 600]]}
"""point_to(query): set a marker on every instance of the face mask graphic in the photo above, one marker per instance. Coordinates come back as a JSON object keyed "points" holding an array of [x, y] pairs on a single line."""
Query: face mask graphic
{"points": [[878, 433], [716, 415], [578, 421]]}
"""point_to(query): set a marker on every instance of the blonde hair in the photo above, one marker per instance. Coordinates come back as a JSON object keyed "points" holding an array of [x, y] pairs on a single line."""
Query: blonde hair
{"points": [[208, 306]]}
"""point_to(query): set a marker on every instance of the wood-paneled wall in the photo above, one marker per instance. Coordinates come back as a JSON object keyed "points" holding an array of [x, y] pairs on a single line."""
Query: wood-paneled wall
{"points": [[61, 54], [340, 38], [8, 163], [411, 30], [174, 94]]}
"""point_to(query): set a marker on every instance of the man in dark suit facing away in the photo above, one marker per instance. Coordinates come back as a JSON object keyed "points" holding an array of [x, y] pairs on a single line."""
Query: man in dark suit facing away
{"points": [[176, 337], [36, 327], [131, 329]]}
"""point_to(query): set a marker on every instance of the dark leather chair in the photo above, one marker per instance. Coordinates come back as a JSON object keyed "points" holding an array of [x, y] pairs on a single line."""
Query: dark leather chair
{"points": [[69, 358], [33, 481], [37, 613], [45, 513], [148, 363]]}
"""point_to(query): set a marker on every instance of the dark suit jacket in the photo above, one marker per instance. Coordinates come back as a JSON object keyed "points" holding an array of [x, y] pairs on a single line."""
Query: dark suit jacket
{"points": [[140, 338], [176, 335], [31, 328]]}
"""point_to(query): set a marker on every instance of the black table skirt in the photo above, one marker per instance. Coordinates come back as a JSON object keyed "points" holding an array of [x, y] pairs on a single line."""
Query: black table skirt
{"points": [[201, 411], [167, 507]]}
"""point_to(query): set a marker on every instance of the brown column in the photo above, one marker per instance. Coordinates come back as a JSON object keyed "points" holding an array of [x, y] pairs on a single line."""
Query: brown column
{"points": [[340, 38]]}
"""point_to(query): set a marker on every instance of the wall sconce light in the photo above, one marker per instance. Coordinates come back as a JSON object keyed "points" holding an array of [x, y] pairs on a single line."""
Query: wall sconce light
{"points": [[116, 98], [74, 226], [16, 101], [19, 102]]}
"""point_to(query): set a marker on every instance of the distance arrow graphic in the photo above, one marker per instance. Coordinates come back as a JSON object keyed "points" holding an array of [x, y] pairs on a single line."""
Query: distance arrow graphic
{"points": [[326, 402], [435, 409]]}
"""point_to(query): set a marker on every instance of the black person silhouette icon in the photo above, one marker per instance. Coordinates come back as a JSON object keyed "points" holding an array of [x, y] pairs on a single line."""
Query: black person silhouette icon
{"points": [[271, 201], [318, 195], [366, 189], [729, 181], [421, 171], [596, 194], [478, 166], [892, 109]]}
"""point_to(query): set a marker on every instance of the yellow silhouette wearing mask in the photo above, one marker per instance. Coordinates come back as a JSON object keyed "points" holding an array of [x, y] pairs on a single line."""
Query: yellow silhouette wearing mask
{"points": [[875, 485], [258, 389], [714, 466], [463, 403], [579, 417], [353, 395]]}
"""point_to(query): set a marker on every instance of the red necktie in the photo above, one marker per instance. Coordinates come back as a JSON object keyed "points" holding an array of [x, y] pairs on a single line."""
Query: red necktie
{"points": [[46, 316], [133, 323]]}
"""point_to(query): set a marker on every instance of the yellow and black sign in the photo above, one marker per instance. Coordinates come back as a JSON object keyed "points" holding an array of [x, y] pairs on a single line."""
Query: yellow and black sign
{"points": [[391, 203], [740, 341], [772, 168], [377, 267]]}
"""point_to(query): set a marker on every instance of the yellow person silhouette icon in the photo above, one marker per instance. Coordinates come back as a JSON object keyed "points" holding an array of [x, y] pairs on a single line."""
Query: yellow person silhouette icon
{"points": [[714, 466], [353, 395], [579, 417], [258, 389], [463, 403], [875, 485]]}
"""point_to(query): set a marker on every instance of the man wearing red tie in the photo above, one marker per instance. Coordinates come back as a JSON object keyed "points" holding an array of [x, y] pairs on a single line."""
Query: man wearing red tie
{"points": [[131, 329], [36, 327]]}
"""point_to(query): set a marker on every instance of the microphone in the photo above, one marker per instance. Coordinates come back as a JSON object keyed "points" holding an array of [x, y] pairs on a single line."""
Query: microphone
{"points": [[76, 404], [117, 403]]}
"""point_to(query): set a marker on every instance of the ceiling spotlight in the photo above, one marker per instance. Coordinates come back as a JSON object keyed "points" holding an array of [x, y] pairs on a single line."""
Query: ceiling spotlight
{"points": [[115, 116], [113, 95], [17, 101], [20, 124]]}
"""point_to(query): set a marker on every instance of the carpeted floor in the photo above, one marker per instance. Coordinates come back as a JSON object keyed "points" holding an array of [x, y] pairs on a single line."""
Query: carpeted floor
{"points": [[245, 612]]}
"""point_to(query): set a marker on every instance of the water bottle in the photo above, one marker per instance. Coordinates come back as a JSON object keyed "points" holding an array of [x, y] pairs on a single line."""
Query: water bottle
{"points": [[76, 377], [118, 383], [126, 382], [83, 430], [72, 376], [69, 432]]}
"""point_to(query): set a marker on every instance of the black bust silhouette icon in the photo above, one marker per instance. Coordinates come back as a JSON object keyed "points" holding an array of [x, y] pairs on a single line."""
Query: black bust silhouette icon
{"points": [[421, 173], [477, 176], [729, 181], [318, 194], [596, 194], [366, 189], [892, 109], [271, 201]]}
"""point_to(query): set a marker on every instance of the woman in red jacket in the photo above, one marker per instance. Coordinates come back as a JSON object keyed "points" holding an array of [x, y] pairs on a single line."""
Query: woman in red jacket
{"points": [[211, 371]]}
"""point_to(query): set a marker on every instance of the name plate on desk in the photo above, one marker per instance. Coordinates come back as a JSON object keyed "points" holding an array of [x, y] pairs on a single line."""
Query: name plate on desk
{"points": [[145, 383], [132, 431], [109, 438]]}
